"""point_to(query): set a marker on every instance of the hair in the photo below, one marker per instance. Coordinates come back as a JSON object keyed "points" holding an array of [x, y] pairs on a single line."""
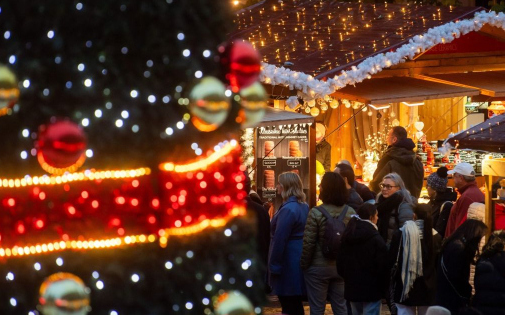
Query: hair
{"points": [[399, 132], [292, 185], [470, 233], [365, 212], [468, 178], [344, 162], [403, 190], [247, 182], [347, 172], [423, 212], [494, 245], [333, 189]]}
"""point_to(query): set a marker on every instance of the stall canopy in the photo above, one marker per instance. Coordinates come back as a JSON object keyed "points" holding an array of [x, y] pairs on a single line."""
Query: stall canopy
{"points": [[486, 136]]}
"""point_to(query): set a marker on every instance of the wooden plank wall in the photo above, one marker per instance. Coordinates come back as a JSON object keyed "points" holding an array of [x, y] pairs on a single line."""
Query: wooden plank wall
{"points": [[441, 117]]}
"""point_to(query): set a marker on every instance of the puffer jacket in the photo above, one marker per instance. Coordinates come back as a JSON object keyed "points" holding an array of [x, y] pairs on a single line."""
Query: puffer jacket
{"points": [[312, 254], [490, 285], [399, 158]]}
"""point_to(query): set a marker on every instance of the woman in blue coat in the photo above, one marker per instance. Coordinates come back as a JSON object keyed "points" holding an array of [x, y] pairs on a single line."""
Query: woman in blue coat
{"points": [[287, 227]]}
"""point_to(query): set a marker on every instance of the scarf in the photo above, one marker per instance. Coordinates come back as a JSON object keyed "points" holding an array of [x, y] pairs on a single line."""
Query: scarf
{"points": [[386, 207], [412, 264], [358, 218]]}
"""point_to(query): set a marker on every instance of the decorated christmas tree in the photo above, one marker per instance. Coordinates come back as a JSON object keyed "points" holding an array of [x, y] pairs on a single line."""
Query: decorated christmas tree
{"points": [[121, 183]]}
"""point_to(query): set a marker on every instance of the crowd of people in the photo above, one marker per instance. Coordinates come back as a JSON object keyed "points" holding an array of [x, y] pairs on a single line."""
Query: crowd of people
{"points": [[415, 257]]}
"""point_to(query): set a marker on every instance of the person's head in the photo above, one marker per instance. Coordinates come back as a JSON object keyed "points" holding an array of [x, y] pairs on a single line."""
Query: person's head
{"points": [[247, 182], [344, 162], [289, 184], [368, 211], [469, 233], [437, 182], [396, 134], [392, 183], [332, 189], [463, 173], [494, 245], [346, 172]]}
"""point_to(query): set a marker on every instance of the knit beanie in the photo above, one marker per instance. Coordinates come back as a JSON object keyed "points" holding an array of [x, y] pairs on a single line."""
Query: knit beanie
{"points": [[438, 180]]}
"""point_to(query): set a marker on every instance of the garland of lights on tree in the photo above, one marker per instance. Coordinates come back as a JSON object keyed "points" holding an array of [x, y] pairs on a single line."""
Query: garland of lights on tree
{"points": [[122, 178]]}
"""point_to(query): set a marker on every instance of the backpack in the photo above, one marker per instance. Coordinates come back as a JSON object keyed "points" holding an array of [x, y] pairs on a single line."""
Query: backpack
{"points": [[333, 233]]}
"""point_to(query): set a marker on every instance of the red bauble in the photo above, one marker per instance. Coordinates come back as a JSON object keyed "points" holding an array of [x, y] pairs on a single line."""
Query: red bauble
{"points": [[242, 63], [61, 147]]}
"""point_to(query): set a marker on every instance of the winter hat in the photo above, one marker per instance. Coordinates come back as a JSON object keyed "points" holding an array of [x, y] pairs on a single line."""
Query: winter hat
{"points": [[438, 180], [476, 211], [437, 310]]}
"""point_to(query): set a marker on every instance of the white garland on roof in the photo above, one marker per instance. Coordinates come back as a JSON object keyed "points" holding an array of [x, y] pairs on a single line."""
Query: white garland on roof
{"points": [[310, 88]]}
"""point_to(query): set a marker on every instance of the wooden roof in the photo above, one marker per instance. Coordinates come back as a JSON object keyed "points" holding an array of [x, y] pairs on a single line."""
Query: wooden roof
{"points": [[321, 38]]}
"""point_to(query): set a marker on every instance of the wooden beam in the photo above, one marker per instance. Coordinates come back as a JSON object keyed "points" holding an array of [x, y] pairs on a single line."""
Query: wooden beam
{"points": [[387, 73], [432, 79], [350, 97]]}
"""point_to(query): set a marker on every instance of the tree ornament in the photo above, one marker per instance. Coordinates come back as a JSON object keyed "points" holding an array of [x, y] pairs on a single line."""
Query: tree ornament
{"points": [[64, 294], [314, 111], [9, 91], [334, 104], [209, 104], [242, 64], [253, 101], [233, 303], [61, 147]]}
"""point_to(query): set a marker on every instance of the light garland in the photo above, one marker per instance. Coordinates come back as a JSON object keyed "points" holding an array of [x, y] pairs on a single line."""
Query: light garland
{"points": [[247, 144], [88, 175], [311, 88]]}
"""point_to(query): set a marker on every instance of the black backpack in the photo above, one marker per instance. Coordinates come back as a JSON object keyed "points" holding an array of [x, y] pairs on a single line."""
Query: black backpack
{"points": [[333, 233]]}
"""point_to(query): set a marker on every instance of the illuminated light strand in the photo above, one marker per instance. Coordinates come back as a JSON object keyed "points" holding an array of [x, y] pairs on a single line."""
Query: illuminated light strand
{"points": [[88, 175], [309, 88], [18, 251], [201, 164]]}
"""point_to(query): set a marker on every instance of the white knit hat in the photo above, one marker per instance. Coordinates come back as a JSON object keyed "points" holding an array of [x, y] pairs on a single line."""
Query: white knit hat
{"points": [[437, 310], [476, 211]]}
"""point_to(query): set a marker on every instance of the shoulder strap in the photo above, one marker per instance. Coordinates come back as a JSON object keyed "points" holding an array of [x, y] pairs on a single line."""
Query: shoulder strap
{"points": [[444, 204], [343, 213], [324, 212]]}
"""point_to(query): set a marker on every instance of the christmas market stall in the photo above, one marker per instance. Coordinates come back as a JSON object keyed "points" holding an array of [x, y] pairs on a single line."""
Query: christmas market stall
{"points": [[488, 136], [363, 68], [283, 141]]}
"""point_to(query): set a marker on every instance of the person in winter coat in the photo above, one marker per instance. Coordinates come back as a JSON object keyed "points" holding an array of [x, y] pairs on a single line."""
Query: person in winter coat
{"points": [[395, 206], [416, 246], [453, 269], [321, 277], [362, 262], [347, 173], [489, 278], [399, 158], [363, 191], [286, 230], [441, 199]]}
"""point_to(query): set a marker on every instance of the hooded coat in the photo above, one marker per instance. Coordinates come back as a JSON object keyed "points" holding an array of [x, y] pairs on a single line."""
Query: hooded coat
{"points": [[362, 262], [399, 158], [490, 285]]}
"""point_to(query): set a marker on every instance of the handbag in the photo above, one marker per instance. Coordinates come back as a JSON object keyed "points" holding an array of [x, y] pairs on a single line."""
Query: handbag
{"points": [[392, 283]]}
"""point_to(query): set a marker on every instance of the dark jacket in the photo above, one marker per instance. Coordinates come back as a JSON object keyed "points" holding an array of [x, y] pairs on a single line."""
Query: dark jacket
{"points": [[364, 192], [470, 193], [312, 254], [399, 158], [490, 285], [439, 217], [323, 154], [424, 289], [393, 213], [354, 200], [453, 286], [262, 228], [363, 263], [286, 230]]}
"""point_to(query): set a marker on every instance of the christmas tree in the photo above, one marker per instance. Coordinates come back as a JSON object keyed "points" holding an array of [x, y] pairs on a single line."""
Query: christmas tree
{"points": [[120, 164]]}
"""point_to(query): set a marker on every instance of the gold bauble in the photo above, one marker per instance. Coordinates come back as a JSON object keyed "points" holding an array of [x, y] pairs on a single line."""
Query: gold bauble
{"points": [[208, 104], [253, 100]]}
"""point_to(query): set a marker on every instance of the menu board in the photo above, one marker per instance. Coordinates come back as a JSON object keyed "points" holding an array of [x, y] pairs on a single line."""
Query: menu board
{"points": [[281, 149]]}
